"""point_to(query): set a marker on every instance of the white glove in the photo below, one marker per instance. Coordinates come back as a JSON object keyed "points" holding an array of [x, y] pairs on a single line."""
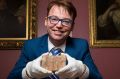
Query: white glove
{"points": [[74, 68], [34, 70]]}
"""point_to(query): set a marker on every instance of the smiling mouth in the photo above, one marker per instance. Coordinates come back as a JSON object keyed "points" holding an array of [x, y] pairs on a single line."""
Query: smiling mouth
{"points": [[59, 31]]}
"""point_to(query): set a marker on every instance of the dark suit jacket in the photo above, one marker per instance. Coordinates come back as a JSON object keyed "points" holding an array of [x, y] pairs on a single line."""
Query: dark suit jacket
{"points": [[75, 47]]}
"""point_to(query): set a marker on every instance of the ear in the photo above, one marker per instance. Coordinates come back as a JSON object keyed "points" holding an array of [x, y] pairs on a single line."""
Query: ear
{"points": [[45, 21], [72, 26]]}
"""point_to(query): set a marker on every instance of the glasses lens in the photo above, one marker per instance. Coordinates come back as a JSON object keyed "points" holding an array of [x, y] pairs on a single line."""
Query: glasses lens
{"points": [[67, 22], [53, 19]]}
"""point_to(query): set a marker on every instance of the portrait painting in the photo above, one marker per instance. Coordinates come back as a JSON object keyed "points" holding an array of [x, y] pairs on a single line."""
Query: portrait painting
{"points": [[104, 22], [16, 22]]}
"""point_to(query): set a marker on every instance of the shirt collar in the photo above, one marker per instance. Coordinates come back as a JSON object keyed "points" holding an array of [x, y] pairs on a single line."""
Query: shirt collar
{"points": [[50, 45]]}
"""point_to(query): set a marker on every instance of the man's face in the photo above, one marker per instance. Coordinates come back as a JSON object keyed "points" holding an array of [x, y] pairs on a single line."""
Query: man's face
{"points": [[61, 29]]}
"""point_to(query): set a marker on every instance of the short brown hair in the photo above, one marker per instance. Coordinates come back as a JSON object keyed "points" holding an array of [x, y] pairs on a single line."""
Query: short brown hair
{"points": [[66, 4]]}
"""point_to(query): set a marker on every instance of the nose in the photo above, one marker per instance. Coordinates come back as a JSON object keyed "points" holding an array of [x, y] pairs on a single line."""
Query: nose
{"points": [[59, 24]]}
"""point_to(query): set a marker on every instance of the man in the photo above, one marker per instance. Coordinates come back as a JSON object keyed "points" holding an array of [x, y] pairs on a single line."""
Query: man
{"points": [[59, 23]]}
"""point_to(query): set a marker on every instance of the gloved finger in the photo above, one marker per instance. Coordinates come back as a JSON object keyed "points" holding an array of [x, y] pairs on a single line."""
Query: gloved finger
{"points": [[63, 73], [69, 58], [39, 75], [45, 53], [38, 60], [39, 71], [36, 65], [63, 70]]}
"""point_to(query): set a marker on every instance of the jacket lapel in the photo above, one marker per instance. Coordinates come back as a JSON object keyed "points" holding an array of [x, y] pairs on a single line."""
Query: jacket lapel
{"points": [[43, 45], [70, 48]]}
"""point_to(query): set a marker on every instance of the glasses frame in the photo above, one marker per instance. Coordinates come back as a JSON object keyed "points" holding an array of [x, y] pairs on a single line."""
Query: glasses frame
{"points": [[61, 20]]}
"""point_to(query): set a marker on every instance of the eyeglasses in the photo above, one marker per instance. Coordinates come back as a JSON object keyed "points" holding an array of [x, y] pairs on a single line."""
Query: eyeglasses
{"points": [[65, 22]]}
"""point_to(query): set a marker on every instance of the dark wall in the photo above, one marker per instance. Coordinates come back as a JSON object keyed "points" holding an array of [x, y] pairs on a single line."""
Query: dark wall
{"points": [[106, 59]]}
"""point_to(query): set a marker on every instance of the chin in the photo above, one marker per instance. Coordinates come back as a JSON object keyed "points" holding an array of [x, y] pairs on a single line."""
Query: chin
{"points": [[57, 37]]}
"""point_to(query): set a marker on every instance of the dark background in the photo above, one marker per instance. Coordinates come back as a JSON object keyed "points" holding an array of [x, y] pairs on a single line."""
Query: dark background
{"points": [[13, 5]]}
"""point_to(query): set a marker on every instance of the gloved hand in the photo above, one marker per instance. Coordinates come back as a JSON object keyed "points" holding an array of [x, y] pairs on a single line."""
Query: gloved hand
{"points": [[74, 68], [34, 70]]}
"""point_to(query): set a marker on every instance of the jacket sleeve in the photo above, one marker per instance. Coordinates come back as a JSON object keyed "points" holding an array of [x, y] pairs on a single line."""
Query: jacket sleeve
{"points": [[87, 59]]}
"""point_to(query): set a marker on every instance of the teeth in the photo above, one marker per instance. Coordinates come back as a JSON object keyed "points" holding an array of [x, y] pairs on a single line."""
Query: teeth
{"points": [[59, 31]]}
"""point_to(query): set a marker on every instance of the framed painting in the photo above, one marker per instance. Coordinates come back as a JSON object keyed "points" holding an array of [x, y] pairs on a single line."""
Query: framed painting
{"points": [[104, 23], [17, 22]]}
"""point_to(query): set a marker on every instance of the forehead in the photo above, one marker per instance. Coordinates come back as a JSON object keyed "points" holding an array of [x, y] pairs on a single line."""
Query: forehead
{"points": [[59, 11]]}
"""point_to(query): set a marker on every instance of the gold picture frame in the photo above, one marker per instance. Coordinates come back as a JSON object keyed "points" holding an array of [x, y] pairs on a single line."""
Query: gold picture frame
{"points": [[30, 28], [97, 36]]}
